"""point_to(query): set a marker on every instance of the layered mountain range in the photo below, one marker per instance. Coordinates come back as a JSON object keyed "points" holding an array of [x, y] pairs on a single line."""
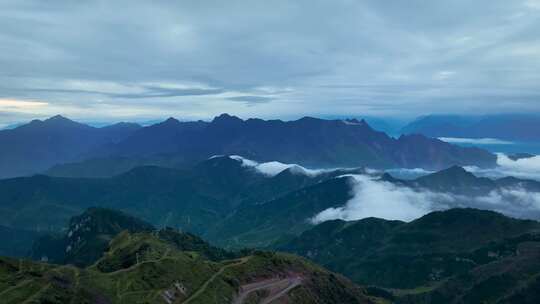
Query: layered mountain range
{"points": [[454, 256], [514, 127], [67, 148], [35, 147], [437, 245], [233, 211], [236, 202]]}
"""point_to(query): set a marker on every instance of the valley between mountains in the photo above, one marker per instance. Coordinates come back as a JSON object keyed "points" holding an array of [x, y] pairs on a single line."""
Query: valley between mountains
{"points": [[179, 224]]}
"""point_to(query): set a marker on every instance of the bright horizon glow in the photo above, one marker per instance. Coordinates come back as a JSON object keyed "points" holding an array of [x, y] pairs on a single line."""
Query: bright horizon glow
{"points": [[15, 104]]}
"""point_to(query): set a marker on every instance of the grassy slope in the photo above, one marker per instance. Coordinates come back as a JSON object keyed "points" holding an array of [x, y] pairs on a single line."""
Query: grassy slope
{"points": [[140, 268]]}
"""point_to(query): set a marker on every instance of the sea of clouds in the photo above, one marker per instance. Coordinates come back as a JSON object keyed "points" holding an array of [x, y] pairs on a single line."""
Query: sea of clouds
{"points": [[528, 168], [372, 197], [375, 198]]}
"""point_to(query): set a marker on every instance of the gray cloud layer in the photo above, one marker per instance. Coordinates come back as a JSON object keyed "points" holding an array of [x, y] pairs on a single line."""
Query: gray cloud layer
{"points": [[195, 59]]}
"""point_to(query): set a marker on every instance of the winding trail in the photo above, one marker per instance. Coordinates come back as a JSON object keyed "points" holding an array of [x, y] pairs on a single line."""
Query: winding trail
{"points": [[278, 287], [19, 285], [212, 278], [163, 257]]}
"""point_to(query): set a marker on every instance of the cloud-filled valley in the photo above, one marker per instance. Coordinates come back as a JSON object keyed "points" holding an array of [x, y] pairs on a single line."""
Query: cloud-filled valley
{"points": [[528, 168], [242, 152], [372, 198], [273, 168], [375, 198]]}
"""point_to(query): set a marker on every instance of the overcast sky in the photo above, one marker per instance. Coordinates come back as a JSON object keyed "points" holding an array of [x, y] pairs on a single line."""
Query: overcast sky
{"points": [[136, 60]]}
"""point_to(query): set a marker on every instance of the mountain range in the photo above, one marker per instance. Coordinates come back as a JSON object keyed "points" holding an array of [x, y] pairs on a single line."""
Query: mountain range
{"points": [[453, 256], [229, 211], [512, 127], [61, 147], [190, 198], [228, 202], [35, 147]]}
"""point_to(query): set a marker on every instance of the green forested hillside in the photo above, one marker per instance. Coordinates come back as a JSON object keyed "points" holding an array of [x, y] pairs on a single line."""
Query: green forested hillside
{"points": [[407, 255], [142, 268]]}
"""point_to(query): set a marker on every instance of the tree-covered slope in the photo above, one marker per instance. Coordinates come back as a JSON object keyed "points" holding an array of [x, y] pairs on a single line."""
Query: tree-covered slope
{"points": [[506, 271], [141, 268], [407, 255], [260, 225], [194, 199], [87, 237]]}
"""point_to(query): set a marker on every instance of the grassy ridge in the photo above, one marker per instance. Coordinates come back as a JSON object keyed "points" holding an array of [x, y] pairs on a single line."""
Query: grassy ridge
{"points": [[142, 268]]}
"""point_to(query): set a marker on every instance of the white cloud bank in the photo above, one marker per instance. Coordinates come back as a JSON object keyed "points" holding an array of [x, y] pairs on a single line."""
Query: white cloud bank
{"points": [[521, 168], [375, 198], [475, 141], [381, 199], [273, 168], [406, 173]]}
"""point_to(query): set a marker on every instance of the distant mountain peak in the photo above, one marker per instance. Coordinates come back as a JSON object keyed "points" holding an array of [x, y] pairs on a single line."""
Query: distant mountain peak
{"points": [[354, 121], [57, 119], [31, 123], [55, 122], [309, 120], [456, 170], [454, 176], [171, 120], [123, 125], [226, 118]]}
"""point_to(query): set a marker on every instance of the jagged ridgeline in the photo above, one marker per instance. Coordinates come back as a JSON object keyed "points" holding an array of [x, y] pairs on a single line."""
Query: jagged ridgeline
{"points": [[224, 200], [233, 202], [194, 199], [62, 147], [166, 266]]}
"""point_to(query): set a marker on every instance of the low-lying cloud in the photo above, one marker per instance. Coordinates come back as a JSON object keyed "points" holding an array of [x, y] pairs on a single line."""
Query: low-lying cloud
{"points": [[273, 168], [376, 198], [476, 141], [373, 198], [522, 168], [516, 202], [406, 173], [401, 173]]}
